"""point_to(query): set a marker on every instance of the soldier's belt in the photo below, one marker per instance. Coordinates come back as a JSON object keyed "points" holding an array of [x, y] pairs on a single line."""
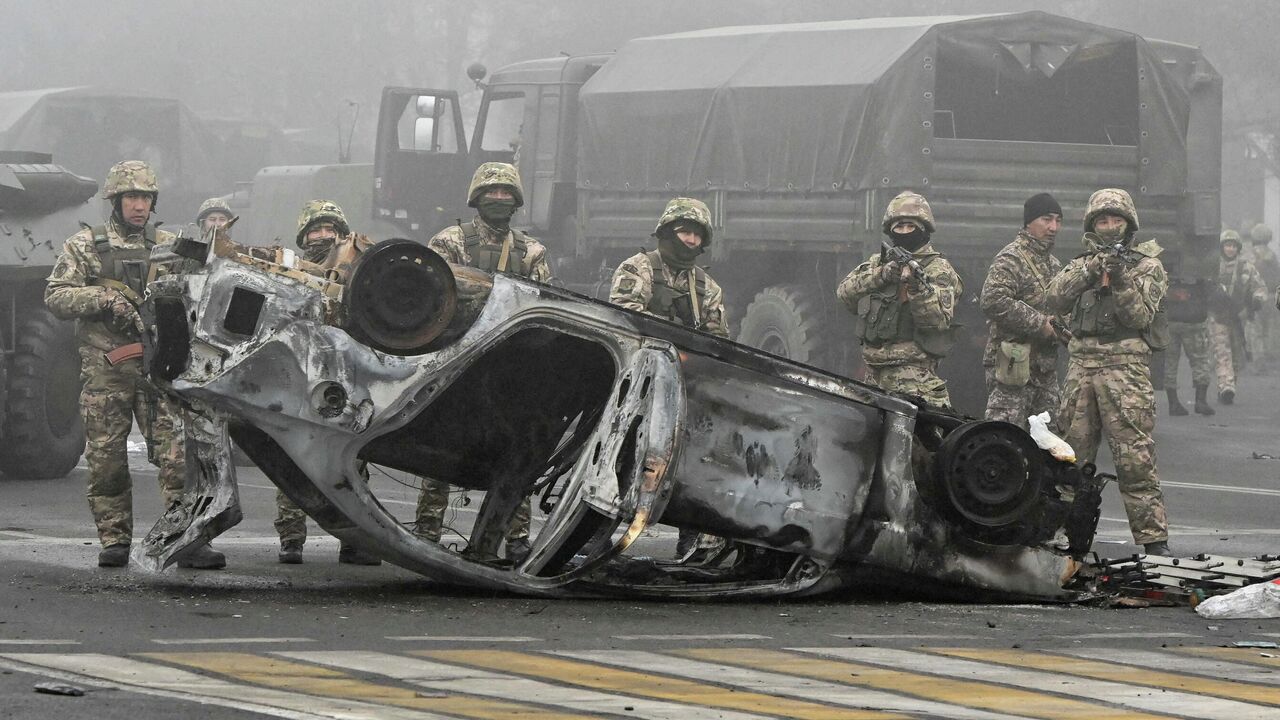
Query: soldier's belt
{"points": [[124, 352]]}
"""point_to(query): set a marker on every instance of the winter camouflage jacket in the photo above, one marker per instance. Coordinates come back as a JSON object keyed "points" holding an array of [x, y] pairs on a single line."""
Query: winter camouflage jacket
{"points": [[1013, 299], [451, 244], [633, 289]]}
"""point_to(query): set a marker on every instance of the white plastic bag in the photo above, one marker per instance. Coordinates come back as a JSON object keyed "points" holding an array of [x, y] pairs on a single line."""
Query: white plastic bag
{"points": [[1261, 600], [1045, 438]]}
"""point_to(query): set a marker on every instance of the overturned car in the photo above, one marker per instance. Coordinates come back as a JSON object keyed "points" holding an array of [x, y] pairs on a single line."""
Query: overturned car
{"points": [[614, 423]]}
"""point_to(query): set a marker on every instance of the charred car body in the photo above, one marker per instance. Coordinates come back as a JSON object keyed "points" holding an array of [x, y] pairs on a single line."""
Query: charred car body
{"points": [[612, 420]]}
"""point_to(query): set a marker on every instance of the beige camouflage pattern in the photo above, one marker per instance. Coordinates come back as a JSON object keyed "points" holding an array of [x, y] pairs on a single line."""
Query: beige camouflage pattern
{"points": [[212, 205], [1260, 233], [451, 245], [1242, 283], [683, 208], [1118, 401], [1226, 361], [934, 311], [632, 288], [1013, 301], [1191, 339], [1260, 329], [433, 501], [494, 174], [908, 205], [316, 210], [1114, 201], [130, 176], [290, 522]]}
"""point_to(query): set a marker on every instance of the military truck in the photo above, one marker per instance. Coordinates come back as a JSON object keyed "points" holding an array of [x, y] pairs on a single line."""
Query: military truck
{"points": [[41, 434], [797, 136]]}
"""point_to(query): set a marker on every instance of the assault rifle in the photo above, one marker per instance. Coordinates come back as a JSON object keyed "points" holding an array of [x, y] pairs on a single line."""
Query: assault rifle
{"points": [[905, 258], [1119, 250]]}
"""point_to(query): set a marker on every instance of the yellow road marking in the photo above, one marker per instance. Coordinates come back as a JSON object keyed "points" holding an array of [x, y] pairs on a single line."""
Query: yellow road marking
{"points": [[965, 693], [1253, 656], [641, 684], [1119, 673], [326, 682]]}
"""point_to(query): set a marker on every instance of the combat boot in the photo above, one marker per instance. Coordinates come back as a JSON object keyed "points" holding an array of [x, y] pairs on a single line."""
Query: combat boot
{"points": [[114, 555], [1175, 406], [1227, 397], [290, 553], [352, 555], [1160, 547], [203, 558], [1202, 403]]}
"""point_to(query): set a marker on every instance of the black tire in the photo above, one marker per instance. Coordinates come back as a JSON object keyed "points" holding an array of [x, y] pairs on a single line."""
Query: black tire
{"points": [[786, 320], [43, 432]]}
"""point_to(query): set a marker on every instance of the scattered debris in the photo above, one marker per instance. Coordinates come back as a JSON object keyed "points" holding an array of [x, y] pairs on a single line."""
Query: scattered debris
{"points": [[1254, 601], [54, 688], [1264, 456], [1183, 581], [1256, 644]]}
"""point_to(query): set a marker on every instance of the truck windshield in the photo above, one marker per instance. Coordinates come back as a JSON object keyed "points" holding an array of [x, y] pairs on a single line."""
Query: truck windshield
{"points": [[503, 122]]}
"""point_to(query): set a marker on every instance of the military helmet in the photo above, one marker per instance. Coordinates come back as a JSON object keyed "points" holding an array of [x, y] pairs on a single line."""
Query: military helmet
{"points": [[1260, 234], [1114, 201], [213, 205], [690, 210], [908, 205], [130, 176], [317, 210], [493, 174], [1230, 236]]}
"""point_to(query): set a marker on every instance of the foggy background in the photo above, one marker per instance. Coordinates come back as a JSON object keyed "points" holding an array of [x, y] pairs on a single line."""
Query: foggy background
{"points": [[316, 67]]}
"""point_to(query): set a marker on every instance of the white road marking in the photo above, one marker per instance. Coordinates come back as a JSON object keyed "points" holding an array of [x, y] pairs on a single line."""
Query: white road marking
{"points": [[779, 684], [464, 638], [108, 671], [1150, 699], [4, 641], [1124, 636], [1222, 488], [1171, 662], [726, 636], [456, 678], [906, 636], [229, 640]]}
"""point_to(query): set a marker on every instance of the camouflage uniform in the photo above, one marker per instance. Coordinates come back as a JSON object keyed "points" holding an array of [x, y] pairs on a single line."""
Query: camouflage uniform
{"points": [[1193, 340], [114, 395], [902, 364], [480, 245], [1108, 385], [1259, 327], [1013, 299], [1243, 293]]}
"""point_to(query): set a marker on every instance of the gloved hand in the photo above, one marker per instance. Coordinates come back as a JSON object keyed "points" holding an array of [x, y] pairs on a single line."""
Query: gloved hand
{"points": [[1095, 265], [890, 273], [120, 315], [1115, 268]]}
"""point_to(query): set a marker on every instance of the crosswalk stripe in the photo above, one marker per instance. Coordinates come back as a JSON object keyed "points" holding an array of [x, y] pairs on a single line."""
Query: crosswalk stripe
{"points": [[964, 693], [160, 681], [455, 678], [1122, 673], [325, 682], [782, 684], [1180, 664], [936, 661], [642, 684], [1243, 655]]}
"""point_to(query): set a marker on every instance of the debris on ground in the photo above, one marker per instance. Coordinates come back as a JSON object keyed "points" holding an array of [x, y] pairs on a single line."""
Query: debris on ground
{"points": [[54, 688], [1147, 580], [1261, 600]]}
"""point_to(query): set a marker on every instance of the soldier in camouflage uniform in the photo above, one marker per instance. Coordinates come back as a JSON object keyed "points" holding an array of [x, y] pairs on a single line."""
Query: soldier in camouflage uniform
{"points": [[1187, 305], [489, 243], [1242, 294], [1259, 326], [906, 324], [98, 281], [1114, 300], [1021, 357], [666, 283], [213, 213], [323, 232]]}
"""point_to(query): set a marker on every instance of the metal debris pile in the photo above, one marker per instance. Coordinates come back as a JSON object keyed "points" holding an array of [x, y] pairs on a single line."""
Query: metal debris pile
{"points": [[1145, 580]]}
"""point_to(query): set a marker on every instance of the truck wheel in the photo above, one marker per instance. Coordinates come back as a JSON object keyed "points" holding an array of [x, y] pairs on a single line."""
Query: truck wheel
{"points": [[785, 320], [43, 433]]}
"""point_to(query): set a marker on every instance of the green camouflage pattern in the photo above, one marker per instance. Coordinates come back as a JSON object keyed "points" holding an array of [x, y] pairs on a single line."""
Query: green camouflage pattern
{"points": [[908, 205], [70, 296], [1191, 339], [632, 288], [450, 244], [316, 210], [433, 501], [1117, 400], [112, 398], [1114, 201], [214, 204], [494, 174], [130, 176], [1015, 403], [1228, 354], [1230, 235], [1260, 234], [929, 311], [919, 379], [690, 209], [290, 522]]}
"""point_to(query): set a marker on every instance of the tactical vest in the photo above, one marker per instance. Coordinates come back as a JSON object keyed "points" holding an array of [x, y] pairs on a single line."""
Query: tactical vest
{"points": [[887, 319], [1187, 302], [668, 301], [1094, 315], [487, 256], [124, 268]]}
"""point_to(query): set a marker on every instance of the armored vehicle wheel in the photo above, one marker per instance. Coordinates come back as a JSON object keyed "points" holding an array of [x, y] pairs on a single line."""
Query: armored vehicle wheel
{"points": [[785, 320], [43, 433]]}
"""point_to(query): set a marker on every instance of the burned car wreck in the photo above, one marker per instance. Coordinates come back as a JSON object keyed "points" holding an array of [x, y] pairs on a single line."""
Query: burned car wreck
{"points": [[611, 421]]}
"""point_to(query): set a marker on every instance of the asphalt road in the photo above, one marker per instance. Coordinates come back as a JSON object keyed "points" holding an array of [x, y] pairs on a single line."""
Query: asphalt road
{"points": [[323, 640]]}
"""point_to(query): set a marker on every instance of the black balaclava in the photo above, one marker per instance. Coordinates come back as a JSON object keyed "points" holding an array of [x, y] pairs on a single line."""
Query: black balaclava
{"points": [[675, 253], [911, 241], [497, 213]]}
